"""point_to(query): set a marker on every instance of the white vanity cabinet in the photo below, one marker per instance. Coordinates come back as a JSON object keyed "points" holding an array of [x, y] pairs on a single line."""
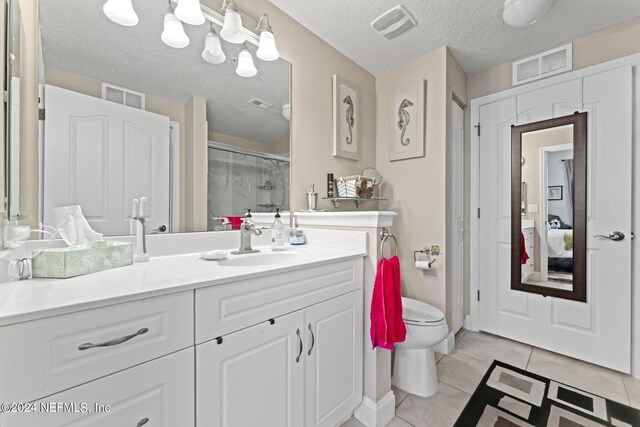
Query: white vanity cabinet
{"points": [[300, 369], [46, 356], [253, 377], [156, 393], [262, 340]]}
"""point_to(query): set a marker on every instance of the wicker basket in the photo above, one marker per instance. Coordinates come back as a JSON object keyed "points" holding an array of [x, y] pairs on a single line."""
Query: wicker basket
{"points": [[354, 186]]}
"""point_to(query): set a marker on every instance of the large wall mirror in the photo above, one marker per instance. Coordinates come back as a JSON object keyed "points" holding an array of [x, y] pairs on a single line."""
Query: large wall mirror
{"points": [[548, 223], [128, 116]]}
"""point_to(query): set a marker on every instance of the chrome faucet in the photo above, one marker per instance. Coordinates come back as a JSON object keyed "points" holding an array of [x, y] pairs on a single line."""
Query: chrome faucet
{"points": [[140, 247], [246, 230]]}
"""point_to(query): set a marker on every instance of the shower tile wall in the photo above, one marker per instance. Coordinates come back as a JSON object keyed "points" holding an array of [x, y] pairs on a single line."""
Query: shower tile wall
{"points": [[239, 181]]}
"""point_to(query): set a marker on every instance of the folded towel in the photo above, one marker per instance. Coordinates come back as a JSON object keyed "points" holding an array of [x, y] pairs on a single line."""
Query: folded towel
{"points": [[387, 325], [524, 256]]}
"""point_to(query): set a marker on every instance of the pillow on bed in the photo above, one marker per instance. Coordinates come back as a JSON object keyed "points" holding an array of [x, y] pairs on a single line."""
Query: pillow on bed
{"points": [[554, 218]]}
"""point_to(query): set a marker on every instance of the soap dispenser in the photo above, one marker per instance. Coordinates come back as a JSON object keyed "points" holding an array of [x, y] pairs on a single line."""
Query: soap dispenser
{"points": [[277, 233]]}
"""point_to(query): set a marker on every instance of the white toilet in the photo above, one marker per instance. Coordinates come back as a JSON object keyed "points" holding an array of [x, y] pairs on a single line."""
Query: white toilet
{"points": [[414, 367]]}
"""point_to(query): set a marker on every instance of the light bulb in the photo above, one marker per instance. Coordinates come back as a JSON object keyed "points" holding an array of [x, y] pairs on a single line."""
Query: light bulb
{"points": [[173, 34], [267, 50], [212, 52], [189, 12], [245, 64], [286, 111], [121, 12], [232, 28]]}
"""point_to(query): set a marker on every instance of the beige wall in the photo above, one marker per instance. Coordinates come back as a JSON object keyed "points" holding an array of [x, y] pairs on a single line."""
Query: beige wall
{"points": [[29, 129], [194, 166], [416, 187]]}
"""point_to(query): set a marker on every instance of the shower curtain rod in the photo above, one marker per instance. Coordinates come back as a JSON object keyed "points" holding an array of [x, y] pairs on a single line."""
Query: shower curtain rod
{"points": [[232, 149]]}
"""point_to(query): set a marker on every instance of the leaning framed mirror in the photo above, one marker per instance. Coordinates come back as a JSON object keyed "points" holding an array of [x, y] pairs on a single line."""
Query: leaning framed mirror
{"points": [[548, 227]]}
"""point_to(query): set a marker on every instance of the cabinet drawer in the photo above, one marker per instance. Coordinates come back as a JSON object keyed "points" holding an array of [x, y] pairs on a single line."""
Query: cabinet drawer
{"points": [[227, 308], [43, 357], [160, 392]]}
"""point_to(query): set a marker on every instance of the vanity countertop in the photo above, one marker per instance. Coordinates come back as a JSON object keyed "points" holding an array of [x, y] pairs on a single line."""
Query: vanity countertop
{"points": [[22, 301]]}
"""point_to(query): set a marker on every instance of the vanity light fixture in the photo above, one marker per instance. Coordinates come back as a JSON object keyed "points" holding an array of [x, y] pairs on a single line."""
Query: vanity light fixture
{"points": [[267, 50], [189, 12], [286, 111], [212, 52], [173, 34], [232, 28], [245, 63], [121, 12], [522, 13]]}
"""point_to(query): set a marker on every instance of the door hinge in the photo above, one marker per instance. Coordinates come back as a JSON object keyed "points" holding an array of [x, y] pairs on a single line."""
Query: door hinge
{"points": [[478, 294], [41, 114], [478, 128], [478, 213]]}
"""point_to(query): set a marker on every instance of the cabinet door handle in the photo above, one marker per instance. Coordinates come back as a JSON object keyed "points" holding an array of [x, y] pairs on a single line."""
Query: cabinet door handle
{"points": [[313, 340], [116, 341], [300, 340], [142, 422]]}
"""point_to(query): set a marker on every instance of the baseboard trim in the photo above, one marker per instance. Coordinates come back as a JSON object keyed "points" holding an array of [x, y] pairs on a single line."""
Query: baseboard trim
{"points": [[376, 414], [446, 346], [470, 324]]}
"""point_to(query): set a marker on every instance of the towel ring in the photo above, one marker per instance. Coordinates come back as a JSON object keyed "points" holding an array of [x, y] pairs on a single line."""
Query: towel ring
{"points": [[384, 234]]}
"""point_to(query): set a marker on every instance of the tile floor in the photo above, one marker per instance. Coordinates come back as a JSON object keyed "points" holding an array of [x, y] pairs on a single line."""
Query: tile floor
{"points": [[461, 371]]}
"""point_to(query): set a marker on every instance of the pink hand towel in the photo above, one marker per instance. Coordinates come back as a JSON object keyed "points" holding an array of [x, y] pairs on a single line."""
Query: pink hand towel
{"points": [[387, 325]]}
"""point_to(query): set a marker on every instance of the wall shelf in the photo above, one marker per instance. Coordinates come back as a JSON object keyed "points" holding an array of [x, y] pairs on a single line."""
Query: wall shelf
{"points": [[357, 200]]}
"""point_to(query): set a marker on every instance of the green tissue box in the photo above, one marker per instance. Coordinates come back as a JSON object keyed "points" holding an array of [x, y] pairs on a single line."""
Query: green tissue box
{"points": [[62, 263]]}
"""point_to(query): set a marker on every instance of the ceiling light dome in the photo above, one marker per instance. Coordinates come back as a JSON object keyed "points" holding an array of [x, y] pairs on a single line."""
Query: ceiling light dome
{"points": [[521, 13], [245, 63], [121, 12], [212, 52], [173, 34], [232, 28], [189, 12], [267, 50]]}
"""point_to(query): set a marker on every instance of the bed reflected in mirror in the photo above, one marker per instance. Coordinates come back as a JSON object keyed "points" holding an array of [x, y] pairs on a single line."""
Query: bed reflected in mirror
{"points": [[548, 230]]}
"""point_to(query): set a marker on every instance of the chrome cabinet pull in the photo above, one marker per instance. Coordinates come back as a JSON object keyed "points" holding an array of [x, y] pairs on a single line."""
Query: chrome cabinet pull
{"points": [[116, 341], [616, 236], [142, 422], [313, 340], [300, 340]]}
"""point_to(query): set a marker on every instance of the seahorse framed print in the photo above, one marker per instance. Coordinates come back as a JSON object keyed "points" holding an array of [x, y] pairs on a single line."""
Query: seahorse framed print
{"points": [[407, 121], [346, 111]]}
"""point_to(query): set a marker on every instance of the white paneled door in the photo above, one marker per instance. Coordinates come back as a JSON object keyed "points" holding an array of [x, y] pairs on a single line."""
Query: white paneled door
{"points": [[598, 331], [101, 155]]}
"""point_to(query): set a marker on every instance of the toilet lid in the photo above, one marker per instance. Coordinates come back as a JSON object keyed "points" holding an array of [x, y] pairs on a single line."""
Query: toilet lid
{"points": [[414, 311]]}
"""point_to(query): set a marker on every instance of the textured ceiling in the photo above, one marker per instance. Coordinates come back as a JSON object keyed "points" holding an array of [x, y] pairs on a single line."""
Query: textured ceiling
{"points": [[79, 38], [473, 29]]}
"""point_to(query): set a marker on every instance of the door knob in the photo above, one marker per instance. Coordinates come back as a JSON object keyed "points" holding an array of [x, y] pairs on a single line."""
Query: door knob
{"points": [[160, 229], [616, 236]]}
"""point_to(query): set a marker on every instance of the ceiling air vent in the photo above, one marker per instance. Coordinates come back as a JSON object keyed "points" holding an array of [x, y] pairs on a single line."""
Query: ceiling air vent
{"points": [[393, 22], [123, 96], [543, 65], [260, 103]]}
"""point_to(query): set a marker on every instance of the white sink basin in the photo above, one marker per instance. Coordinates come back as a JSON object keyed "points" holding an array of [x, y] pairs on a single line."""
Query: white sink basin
{"points": [[260, 258]]}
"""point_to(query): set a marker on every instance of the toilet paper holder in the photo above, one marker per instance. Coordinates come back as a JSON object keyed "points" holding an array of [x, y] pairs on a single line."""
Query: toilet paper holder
{"points": [[433, 250]]}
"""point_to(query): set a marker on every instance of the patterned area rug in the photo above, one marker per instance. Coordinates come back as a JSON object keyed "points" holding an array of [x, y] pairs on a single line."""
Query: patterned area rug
{"points": [[511, 397]]}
